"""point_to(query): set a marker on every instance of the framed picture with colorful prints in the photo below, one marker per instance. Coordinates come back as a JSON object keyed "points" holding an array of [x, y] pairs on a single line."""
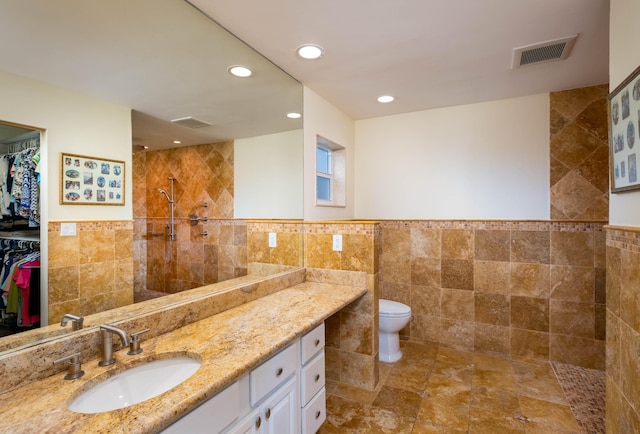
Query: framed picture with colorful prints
{"points": [[90, 180], [624, 124]]}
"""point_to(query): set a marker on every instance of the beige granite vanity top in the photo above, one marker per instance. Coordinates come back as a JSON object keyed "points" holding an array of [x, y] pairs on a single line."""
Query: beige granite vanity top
{"points": [[228, 344]]}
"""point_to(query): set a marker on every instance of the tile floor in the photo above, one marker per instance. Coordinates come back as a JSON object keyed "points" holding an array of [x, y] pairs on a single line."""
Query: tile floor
{"points": [[434, 389]]}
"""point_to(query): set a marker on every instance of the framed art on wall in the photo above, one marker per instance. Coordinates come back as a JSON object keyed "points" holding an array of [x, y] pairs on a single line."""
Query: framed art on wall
{"points": [[624, 120], [90, 180]]}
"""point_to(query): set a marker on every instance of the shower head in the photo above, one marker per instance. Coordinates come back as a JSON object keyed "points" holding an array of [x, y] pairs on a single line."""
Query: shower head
{"points": [[165, 195]]}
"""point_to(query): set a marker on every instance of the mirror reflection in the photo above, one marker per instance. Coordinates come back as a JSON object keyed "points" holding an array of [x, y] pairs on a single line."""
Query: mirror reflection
{"points": [[19, 229], [187, 220]]}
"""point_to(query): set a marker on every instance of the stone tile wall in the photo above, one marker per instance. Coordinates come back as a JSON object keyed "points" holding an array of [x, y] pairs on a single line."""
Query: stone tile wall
{"points": [[579, 172], [288, 250], [203, 188], [352, 334], [92, 271], [524, 289], [623, 330], [194, 259]]}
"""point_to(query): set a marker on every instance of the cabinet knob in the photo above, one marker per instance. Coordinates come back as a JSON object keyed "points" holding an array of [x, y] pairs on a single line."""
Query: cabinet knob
{"points": [[318, 415], [258, 422], [268, 413], [317, 342], [279, 372], [317, 377]]}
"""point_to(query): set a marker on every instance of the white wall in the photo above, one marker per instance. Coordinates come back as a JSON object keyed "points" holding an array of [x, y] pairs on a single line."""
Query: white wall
{"points": [[624, 58], [480, 161], [268, 176], [322, 118], [76, 124]]}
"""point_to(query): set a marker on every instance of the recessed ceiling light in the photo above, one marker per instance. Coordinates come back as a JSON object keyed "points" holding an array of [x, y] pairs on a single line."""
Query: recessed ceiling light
{"points": [[177, 142], [310, 51], [385, 99], [294, 115], [240, 71]]}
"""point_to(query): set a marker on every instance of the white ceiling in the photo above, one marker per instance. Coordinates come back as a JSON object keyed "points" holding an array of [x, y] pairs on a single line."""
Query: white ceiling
{"points": [[162, 58], [157, 56], [427, 53]]}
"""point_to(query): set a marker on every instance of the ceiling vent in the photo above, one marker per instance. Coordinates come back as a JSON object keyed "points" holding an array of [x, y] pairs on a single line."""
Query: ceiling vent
{"points": [[543, 52], [191, 122]]}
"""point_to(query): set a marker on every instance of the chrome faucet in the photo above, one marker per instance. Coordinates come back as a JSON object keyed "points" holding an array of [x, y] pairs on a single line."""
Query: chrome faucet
{"points": [[76, 321], [107, 333]]}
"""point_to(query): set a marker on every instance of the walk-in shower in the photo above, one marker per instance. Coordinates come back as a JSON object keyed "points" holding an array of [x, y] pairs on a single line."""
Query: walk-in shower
{"points": [[171, 226]]}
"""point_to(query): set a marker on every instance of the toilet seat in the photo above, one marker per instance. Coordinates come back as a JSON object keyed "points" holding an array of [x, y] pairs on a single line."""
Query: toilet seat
{"points": [[393, 309]]}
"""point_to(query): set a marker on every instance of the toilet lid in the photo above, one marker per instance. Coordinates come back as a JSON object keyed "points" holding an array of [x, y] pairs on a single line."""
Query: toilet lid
{"points": [[393, 308]]}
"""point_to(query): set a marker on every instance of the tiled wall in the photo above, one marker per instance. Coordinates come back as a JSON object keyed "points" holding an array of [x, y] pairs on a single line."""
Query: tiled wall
{"points": [[352, 334], [623, 330], [203, 188], [579, 175], [194, 259], [288, 249], [526, 289], [92, 271]]}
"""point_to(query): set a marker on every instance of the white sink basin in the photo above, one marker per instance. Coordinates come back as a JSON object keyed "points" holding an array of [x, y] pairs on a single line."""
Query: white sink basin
{"points": [[135, 385]]}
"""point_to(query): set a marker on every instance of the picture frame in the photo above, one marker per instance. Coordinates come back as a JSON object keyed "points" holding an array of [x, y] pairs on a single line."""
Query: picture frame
{"points": [[624, 130], [88, 180]]}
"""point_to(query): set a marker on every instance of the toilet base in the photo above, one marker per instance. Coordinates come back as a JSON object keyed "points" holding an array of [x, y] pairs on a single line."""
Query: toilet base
{"points": [[389, 347]]}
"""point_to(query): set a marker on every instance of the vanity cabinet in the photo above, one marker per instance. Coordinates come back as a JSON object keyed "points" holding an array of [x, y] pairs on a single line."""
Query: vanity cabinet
{"points": [[284, 395], [276, 415], [312, 381]]}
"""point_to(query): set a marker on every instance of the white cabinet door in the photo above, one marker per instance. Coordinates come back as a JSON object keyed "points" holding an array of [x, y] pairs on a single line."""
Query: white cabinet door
{"points": [[253, 423], [280, 412]]}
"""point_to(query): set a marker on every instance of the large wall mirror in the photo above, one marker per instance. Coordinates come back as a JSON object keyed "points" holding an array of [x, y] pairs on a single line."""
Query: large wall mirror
{"points": [[217, 148]]}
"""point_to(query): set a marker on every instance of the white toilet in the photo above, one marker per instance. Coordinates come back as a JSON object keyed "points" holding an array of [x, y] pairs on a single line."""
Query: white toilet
{"points": [[393, 317]]}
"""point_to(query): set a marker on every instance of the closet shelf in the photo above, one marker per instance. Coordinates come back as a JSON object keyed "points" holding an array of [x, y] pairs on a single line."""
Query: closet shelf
{"points": [[21, 235]]}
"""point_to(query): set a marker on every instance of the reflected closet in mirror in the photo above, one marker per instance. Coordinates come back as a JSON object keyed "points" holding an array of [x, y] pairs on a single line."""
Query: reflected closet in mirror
{"points": [[20, 279]]}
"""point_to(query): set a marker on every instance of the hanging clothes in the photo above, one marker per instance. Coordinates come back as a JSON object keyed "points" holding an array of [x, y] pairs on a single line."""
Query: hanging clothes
{"points": [[20, 186], [21, 282]]}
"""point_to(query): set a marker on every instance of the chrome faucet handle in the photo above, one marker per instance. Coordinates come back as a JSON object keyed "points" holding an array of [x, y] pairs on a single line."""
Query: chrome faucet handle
{"points": [[74, 366], [134, 343], [76, 321]]}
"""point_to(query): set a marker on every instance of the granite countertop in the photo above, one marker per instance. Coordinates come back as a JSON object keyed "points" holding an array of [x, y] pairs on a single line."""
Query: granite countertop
{"points": [[228, 344]]}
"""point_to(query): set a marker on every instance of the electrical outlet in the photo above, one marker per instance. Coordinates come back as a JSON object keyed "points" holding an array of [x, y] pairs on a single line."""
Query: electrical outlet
{"points": [[272, 239], [68, 229], [337, 243]]}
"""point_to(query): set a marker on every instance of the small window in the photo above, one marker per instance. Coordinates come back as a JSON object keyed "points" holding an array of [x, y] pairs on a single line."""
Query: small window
{"points": [[330, 170], [323, 176]]}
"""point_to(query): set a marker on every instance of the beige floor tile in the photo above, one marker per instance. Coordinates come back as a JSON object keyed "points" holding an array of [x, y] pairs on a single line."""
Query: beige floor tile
{"points": [[455, 356], [493, 420], [493, 363], [538, 381], [449, 412], [424, 427], [402, 402], [409, 377], [501, 380], [453, 371], [326, 428], [381, 421], [495, 398], [442, 390], [353, 393], [440, 387], [343, 413], [548, 417]]}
